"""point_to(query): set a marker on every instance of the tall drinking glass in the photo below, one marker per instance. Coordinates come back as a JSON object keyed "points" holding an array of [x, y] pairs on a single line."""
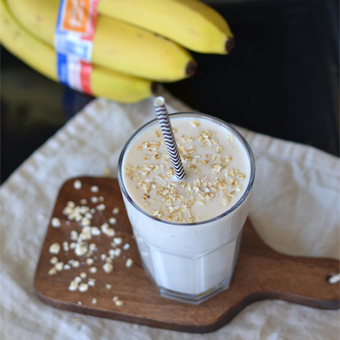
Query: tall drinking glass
{"points": [[188, 261]]}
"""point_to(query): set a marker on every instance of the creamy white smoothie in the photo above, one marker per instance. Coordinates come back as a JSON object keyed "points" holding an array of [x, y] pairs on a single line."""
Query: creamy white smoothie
{"points": [[188, 231]]}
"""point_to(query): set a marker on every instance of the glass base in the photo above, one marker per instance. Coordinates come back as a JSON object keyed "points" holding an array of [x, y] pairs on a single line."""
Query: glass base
{"points": [[199, 298], [195, 299]]}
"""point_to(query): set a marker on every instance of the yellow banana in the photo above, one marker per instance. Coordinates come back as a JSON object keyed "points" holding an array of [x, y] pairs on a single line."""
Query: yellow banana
{"points": [[190, 23], [42, 57], [116, 45]]}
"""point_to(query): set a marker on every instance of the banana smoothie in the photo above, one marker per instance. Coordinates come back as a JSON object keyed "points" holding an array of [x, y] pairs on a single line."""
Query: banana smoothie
{"points": [[188, 231]]}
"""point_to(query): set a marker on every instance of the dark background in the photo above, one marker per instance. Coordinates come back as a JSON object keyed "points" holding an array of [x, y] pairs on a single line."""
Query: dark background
{"points": [[281, 79]]}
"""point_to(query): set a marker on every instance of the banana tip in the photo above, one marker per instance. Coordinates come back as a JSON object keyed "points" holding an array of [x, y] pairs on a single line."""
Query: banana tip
{"points": [[154, 87], [191, 68], [229, 44]]}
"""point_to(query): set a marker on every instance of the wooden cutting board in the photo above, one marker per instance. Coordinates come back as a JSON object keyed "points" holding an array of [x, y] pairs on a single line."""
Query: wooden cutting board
{"points": [[261, 273]]}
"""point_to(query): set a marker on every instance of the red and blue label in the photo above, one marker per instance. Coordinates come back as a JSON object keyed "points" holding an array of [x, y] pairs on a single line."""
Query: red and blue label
{"points": [[74, 42], [74, 72]]}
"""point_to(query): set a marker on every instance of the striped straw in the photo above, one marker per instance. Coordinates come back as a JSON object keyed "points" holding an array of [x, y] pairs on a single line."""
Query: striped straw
{"points": [[163, 118]]}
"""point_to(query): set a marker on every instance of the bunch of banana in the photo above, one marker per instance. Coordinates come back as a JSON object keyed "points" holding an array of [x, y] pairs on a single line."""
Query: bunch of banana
{"points": [[42, 57], [135, 42]]}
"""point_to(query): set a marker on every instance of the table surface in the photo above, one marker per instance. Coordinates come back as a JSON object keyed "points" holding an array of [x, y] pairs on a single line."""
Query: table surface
{"points": [[281, 79]]}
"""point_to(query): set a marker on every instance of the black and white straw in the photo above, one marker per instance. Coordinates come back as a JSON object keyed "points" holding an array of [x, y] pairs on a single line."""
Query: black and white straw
{"points": [[169, 137]]}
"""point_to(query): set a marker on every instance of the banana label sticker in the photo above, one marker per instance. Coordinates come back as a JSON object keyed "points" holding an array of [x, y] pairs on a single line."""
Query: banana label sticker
{"points": [[76, 16], [74, 42], [75, 27], [74, 72]]}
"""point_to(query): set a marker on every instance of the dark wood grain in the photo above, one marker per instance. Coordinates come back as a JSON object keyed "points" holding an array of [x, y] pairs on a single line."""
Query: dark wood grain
{"points": [[261, 273]]}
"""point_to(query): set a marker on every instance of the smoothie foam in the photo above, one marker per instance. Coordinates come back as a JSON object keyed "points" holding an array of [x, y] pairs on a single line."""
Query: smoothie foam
{"points": [[216, 166]]}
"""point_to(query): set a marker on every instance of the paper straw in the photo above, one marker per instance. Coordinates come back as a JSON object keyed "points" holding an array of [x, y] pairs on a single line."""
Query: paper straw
{"points": [[164, 121]]}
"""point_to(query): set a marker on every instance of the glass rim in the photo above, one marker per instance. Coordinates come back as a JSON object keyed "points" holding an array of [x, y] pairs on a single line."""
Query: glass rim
{"points": [[197, 115]]}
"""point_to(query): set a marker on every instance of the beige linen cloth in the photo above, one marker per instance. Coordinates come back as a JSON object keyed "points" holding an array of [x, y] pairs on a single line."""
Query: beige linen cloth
{"points": [[295, 209]]}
